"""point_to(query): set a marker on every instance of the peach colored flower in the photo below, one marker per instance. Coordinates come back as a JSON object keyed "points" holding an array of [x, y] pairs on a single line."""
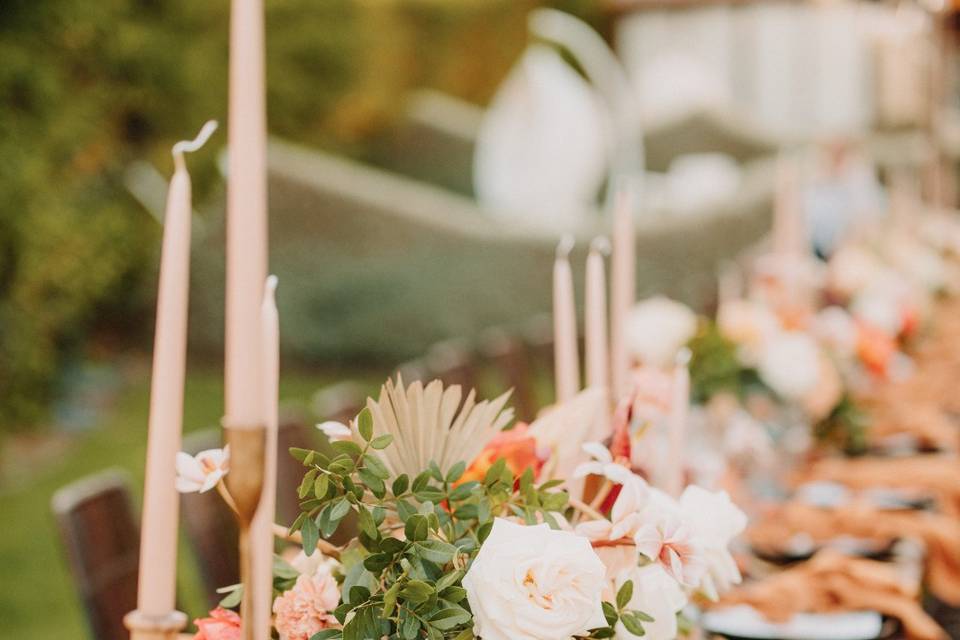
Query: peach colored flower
{"points": [[516, 446], [222, 624], [827, 393], [307, 608]]}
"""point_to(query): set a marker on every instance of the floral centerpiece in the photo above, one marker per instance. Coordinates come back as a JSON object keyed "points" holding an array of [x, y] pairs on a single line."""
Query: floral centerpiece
{"points": [[467, 530]]}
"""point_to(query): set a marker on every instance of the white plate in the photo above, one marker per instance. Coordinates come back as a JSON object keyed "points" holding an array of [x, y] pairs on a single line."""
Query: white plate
{"points": [[744, 621]]}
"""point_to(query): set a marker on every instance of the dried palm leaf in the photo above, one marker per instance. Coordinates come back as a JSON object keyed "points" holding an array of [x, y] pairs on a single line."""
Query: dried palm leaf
{"points": [[429, 424]]}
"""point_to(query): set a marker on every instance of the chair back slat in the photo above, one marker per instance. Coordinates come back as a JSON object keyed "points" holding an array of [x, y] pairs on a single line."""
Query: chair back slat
{"points": [[452, 362], [210, 526], [99, 531], [507, 357]]}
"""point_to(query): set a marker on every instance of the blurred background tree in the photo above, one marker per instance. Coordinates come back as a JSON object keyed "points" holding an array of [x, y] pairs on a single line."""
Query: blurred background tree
{"points": [[86, 88]]}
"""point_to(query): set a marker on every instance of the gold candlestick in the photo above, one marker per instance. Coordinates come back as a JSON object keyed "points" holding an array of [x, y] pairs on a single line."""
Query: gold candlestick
{"points": [[245, 483], [146, 627]]}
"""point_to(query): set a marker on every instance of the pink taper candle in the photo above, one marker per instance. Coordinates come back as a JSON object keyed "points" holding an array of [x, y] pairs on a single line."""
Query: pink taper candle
{"points": [[595, 326], [261, 533], [246, 215], [158, 541], [566, 357], [679, 414], [623, 283]]}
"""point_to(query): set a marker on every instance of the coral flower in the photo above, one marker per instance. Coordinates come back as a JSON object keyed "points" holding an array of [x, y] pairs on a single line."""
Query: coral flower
{"points": [[516, 446], [222, 624], [307, 608]]}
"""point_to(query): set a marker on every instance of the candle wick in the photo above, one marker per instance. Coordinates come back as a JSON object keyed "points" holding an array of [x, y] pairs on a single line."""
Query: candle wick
{"points": [[189, 146], [566, 246], [270, 289], [601, 245]]}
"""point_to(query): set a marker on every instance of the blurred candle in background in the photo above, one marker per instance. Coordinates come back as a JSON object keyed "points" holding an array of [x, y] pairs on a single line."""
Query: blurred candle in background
{"points": [[246, 215], [161, 502], [595, 302], [623, 283], [565, 351], [261, 533]]}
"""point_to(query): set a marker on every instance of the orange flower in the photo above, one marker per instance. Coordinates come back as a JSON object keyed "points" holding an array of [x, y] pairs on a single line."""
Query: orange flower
{"points": [[222, 624], [515, 446], [875, 348]]}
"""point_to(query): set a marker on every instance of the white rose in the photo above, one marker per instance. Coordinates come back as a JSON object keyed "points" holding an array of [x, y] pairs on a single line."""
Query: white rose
{"points": [[852, 269], [749, 324], [836, 329], [790, 365], [534, 583], [657, 329], [656, 594], [716, 521]]}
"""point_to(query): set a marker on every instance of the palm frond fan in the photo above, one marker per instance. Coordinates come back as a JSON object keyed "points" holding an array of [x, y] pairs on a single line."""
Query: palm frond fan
{"points": [[428, 423]]}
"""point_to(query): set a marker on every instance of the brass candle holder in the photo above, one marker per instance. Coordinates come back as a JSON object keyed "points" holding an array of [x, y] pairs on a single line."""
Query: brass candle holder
{"points": [[146, 627], [245, 483]]}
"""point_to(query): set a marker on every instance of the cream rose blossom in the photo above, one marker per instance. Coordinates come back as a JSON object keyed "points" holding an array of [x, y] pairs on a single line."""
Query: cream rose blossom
{"points": [[790, 365], [715, 521], [656, 330], [534, 583]]}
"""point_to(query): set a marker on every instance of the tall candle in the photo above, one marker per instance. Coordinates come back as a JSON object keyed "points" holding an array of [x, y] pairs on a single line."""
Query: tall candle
{"points": [[261, 531], [595, 298], [565, 352], [246, 215], [679, 413], [158, 538], [622, 290]]}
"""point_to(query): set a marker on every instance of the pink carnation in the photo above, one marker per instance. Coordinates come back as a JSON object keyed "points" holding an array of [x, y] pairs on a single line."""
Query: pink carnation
{"points": [[222, 624], [306, 609]]}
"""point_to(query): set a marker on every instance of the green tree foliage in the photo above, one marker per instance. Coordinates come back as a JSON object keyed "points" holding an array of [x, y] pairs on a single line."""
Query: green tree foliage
{"points": [[88, 87]]}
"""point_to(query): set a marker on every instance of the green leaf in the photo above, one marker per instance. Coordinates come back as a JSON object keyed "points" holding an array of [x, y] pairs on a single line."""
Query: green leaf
{"points": [[392, 545], [310, 535], [463, 491], [297, 523], [348, 447], [494, 472], [624, 594], [456, 472], [299, 454], [374, 464], [377, 562], [365, 424], [610, 613], [381, 442], [373, 482], [326, 634], [365, 522], [390, 599], [358, 594], [416, 591], [605, 632], [233, 598], [640, 615], [632, 624], [449, 618], [400, 485], [449, 579], [409, 627], [282, 569], [321, 485], [436, 551], [339, 509], [307, 483], [416, 528], [454, 594], [434, 469]]}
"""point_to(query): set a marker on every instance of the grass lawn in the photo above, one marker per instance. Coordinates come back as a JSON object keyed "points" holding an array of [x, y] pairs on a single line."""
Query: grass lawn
{"points": [[37, 600]]}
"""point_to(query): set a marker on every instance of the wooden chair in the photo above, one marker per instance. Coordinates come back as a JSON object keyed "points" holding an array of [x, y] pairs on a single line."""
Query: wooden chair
{"points": [[98, 529], [538, 340], [413, 370], [452, 362], [210, 526], [506, 356]]}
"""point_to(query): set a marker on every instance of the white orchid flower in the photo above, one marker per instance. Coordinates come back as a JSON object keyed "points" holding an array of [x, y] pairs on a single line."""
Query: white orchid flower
{"points": [[603, 465], [671, 542], [200, 473], [335, 431]]}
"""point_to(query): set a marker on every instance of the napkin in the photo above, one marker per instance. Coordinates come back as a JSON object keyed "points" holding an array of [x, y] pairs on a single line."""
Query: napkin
{"points": [[940, 535], [830, 583]]}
